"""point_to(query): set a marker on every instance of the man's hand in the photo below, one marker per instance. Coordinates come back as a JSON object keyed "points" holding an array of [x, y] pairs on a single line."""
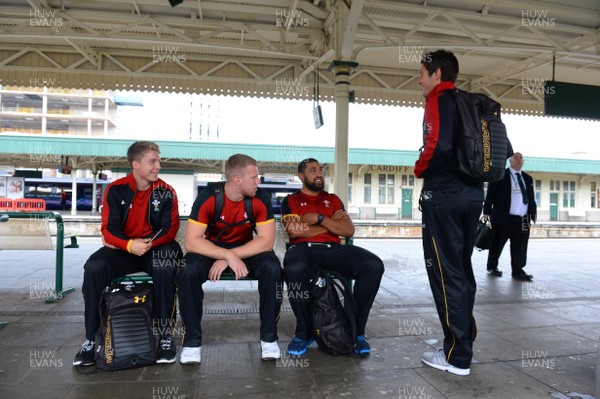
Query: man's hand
{"points": [[486, 217], [139, 246], [340, 214], [214, 274], [237, 265]]}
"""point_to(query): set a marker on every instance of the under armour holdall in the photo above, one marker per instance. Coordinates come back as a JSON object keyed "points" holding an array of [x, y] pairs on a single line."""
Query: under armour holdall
{"points": [[125, 338], [334, 326]]}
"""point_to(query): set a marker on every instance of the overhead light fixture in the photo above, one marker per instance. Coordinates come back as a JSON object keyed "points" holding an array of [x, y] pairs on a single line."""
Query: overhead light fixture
{"points": [[175, 2]]}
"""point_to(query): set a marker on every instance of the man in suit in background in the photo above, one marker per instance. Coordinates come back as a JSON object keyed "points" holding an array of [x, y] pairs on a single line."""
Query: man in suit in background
{"points": [[511, 205]]}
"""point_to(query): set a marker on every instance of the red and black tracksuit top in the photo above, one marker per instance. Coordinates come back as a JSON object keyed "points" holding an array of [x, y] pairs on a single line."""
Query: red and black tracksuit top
{"points": [[128, 213], [437, 159]]}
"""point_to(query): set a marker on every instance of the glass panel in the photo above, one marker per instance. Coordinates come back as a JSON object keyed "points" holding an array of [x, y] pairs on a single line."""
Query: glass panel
{"points": [[382, 180], [382, 195], [367, 198], [367, 178]]}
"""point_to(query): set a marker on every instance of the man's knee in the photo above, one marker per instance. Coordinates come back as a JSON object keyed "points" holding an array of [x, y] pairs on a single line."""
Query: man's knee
{"points": [[377, 266], [295, 270], [96, 265], [271, 267]]}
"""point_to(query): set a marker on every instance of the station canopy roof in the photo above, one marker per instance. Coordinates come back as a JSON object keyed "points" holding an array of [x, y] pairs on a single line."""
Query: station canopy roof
{"points": [[271, 48]]}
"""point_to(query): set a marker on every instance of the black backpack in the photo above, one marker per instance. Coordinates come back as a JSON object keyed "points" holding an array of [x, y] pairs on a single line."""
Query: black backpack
{"points": [[125, 338], [482, 145], [218, 190], [334, 327]]}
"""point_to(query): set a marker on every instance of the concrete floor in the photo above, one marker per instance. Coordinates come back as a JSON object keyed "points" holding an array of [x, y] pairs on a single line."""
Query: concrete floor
{"points": [[536, 340]]}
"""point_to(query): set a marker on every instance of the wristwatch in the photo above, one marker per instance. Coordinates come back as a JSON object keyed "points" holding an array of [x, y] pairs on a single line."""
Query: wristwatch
{"points": [[320, 218]]}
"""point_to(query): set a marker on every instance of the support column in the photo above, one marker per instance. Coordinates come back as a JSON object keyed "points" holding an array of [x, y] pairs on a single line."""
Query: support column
{"points": [[45, 110], [342, 71]]}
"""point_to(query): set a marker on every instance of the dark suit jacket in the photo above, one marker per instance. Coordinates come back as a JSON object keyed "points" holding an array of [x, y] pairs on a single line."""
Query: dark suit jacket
{"points": [[497, 200]]}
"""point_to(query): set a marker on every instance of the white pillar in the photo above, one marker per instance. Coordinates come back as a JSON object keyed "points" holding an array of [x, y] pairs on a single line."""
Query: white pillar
{"points": [[342, 71], [74, 193], [90, 107], [44, 110]]}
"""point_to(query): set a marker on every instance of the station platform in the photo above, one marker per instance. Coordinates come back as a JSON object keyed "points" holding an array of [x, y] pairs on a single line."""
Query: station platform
{"points": [[536, 339]]}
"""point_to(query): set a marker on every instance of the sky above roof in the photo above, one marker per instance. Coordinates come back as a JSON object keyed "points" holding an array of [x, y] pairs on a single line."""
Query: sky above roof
{"points": [[290, 122]]}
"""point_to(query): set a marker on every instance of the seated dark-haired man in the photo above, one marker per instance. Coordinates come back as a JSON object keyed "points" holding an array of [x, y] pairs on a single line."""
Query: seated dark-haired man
{"points": [[314, 221]]}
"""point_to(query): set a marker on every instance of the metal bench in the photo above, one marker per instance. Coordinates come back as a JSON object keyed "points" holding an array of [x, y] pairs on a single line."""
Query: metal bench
{"points": [[227, 275], [31, 231]]}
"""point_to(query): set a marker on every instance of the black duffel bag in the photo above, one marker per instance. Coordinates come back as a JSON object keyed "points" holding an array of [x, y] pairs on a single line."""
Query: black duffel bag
{"points": [[483, 235]]}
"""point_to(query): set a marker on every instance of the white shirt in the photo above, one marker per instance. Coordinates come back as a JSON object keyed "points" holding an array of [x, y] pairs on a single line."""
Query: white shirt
{"points": [[517, 207]]}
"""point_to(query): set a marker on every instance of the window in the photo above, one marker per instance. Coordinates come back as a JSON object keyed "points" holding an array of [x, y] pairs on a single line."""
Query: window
{"points": [[594, 195], [538, 192], [367, 188], [408, 180], [568, 192], [386, 188]]}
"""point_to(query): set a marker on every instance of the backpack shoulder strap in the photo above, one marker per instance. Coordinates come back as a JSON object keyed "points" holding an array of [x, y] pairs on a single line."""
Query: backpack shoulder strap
{"points": [[218, 190], [249, 211]]}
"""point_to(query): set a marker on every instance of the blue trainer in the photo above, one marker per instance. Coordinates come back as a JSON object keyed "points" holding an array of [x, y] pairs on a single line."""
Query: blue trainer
{"points": [[298, 346], [362, 346]]}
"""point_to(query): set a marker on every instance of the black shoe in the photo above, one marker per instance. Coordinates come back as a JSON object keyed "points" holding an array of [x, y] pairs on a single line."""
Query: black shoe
{"points": [[522, 276], [167, 351], [495, 272], [85, 356]]}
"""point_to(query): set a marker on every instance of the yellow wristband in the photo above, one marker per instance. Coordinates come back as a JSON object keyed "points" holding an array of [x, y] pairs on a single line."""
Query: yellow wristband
{"points": [[129, 245]]}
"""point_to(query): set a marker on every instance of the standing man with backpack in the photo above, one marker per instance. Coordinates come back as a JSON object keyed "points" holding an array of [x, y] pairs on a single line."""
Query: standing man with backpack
{"points": [[451, 207], [140, 220], [314, 221], [219, 235]]}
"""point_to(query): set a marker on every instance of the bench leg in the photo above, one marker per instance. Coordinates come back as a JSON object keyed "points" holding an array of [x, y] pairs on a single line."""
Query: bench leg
{"points": [[59, 295]]}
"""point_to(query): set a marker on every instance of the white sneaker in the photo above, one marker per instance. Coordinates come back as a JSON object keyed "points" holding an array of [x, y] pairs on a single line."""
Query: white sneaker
{"points": [[270, 350], [437, 360], [190, 355]]}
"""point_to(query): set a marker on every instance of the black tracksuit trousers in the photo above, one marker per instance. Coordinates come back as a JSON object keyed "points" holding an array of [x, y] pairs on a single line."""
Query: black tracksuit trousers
{"points": [[302, 262], [161, 262], [448, 237], [264, 266]]}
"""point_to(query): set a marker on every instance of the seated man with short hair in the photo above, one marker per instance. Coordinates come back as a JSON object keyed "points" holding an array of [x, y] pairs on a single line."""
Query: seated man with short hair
{"points": [[140, 220]]}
